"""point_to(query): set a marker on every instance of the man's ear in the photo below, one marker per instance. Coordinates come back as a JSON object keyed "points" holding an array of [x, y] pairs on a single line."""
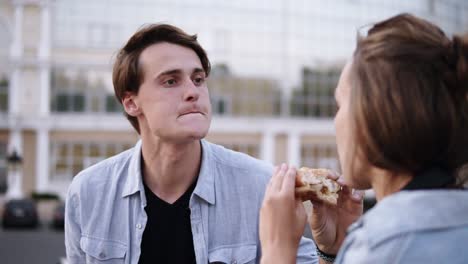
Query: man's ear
{"points": [[130, 104]]}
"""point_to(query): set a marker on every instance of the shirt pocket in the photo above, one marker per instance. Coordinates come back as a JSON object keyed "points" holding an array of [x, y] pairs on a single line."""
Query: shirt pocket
{"points": [[239, 254], [103, 251]]}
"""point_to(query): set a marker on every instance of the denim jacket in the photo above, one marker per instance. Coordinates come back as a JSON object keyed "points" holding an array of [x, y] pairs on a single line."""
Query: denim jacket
{"points": [[105, 216], [423, 226]]}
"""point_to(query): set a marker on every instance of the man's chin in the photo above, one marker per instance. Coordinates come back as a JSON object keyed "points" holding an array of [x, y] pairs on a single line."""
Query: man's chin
{"points": [[198, 134], [193, 133], [195, 129]]}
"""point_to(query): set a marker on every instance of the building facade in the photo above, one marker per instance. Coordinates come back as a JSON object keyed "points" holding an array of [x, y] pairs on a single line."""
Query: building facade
{"points": [[275, 66]]}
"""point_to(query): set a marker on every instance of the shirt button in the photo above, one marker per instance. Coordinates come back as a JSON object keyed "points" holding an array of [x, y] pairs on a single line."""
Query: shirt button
{"points": [[102, 255], [138, 226], [234, 262]]}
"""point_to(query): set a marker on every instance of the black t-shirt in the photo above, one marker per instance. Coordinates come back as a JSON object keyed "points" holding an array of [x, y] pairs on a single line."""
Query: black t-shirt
{"points": [[168, 234]]}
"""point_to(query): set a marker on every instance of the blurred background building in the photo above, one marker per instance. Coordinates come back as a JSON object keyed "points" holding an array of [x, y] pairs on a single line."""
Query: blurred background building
{"points": [[275, 66]]}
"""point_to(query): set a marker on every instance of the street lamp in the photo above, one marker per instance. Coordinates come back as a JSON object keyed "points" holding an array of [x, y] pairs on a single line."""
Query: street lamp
{"points": [[14, 162]]}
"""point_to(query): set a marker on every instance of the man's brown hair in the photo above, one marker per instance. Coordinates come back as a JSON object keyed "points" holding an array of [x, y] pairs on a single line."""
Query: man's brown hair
{"points": [[127, 74], [409, 97]]}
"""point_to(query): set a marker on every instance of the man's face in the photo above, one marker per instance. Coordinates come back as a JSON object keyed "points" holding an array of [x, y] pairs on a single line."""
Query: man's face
{"points": [[173, 101]]}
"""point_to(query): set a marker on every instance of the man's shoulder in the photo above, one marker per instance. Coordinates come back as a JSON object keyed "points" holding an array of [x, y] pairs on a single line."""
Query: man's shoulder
{"points": [[103, 173]]}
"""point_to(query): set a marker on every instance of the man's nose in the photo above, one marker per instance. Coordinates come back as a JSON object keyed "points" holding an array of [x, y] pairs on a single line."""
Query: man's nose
{"points": [[192, 92]]}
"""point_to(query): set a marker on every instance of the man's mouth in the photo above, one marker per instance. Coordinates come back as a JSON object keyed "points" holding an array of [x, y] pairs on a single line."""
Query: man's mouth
{"points": [[192, 112]]}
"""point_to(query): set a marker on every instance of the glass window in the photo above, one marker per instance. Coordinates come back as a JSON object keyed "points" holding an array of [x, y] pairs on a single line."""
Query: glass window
{"points": [[220, 104], [127, 146], [69, 158], [221, 107], [78, 103], [95, 101], [78, 150], [316, 96], [68, 102], [60, 158], [3, 94], [94, 150], [3, 167], [80, 90], [320, 156], [243, 96], [111, 150], [62, 103], [251, 149], [112, 105], [3, 180]]}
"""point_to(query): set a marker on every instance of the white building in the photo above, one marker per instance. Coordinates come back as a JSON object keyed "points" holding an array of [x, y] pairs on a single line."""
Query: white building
{"points": [[56, 103]]}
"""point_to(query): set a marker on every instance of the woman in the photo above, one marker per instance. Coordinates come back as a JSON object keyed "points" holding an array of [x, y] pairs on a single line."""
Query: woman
{"points": [[402, 130]]}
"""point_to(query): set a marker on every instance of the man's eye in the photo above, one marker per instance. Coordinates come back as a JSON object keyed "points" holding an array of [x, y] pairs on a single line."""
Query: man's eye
{"points": [[199, 80], [170, 82]]}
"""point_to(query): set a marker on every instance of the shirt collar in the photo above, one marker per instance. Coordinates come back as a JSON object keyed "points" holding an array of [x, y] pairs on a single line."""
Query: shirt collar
{"points": [[134, 182], [204, 189]]}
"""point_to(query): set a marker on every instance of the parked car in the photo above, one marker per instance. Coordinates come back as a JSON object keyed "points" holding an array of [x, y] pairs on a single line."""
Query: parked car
{"points": [[62, 260], [58, 219], [20, 213]]}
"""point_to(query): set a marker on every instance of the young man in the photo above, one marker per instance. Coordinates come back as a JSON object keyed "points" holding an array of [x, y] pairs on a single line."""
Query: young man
{"points": [[174, 197]]}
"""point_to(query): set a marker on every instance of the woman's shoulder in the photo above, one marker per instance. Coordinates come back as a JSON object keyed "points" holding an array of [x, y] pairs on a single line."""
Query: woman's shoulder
{"points": [[407, 224], [423, 246], [416, 211], [435, 246]]}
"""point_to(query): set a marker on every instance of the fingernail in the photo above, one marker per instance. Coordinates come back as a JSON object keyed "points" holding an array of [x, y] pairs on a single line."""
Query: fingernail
{"points": [[357, 197], [358, 194], [293, 171]]}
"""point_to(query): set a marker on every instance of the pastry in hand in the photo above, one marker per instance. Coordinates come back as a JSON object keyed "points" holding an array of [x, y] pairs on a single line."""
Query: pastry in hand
{"points": [[314, 185]]}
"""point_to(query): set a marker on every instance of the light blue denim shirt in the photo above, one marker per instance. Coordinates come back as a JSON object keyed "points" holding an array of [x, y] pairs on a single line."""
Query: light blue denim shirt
{"points": [[424, 226], [105, 216]]}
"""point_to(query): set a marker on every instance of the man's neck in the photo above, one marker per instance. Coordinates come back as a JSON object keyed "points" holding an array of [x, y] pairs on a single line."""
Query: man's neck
{"points": [[170, 168]]}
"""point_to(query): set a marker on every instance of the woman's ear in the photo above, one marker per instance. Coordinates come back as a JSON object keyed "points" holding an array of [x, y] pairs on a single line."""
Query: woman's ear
{"points": [[130, 105]]}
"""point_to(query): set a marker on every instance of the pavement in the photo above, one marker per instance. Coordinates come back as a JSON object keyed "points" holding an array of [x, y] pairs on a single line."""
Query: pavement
{"points": [[43, 245]]}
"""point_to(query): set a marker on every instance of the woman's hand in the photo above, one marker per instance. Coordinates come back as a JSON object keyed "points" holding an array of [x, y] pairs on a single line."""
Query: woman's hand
{"points": [[282, 218], [329, 223]]}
